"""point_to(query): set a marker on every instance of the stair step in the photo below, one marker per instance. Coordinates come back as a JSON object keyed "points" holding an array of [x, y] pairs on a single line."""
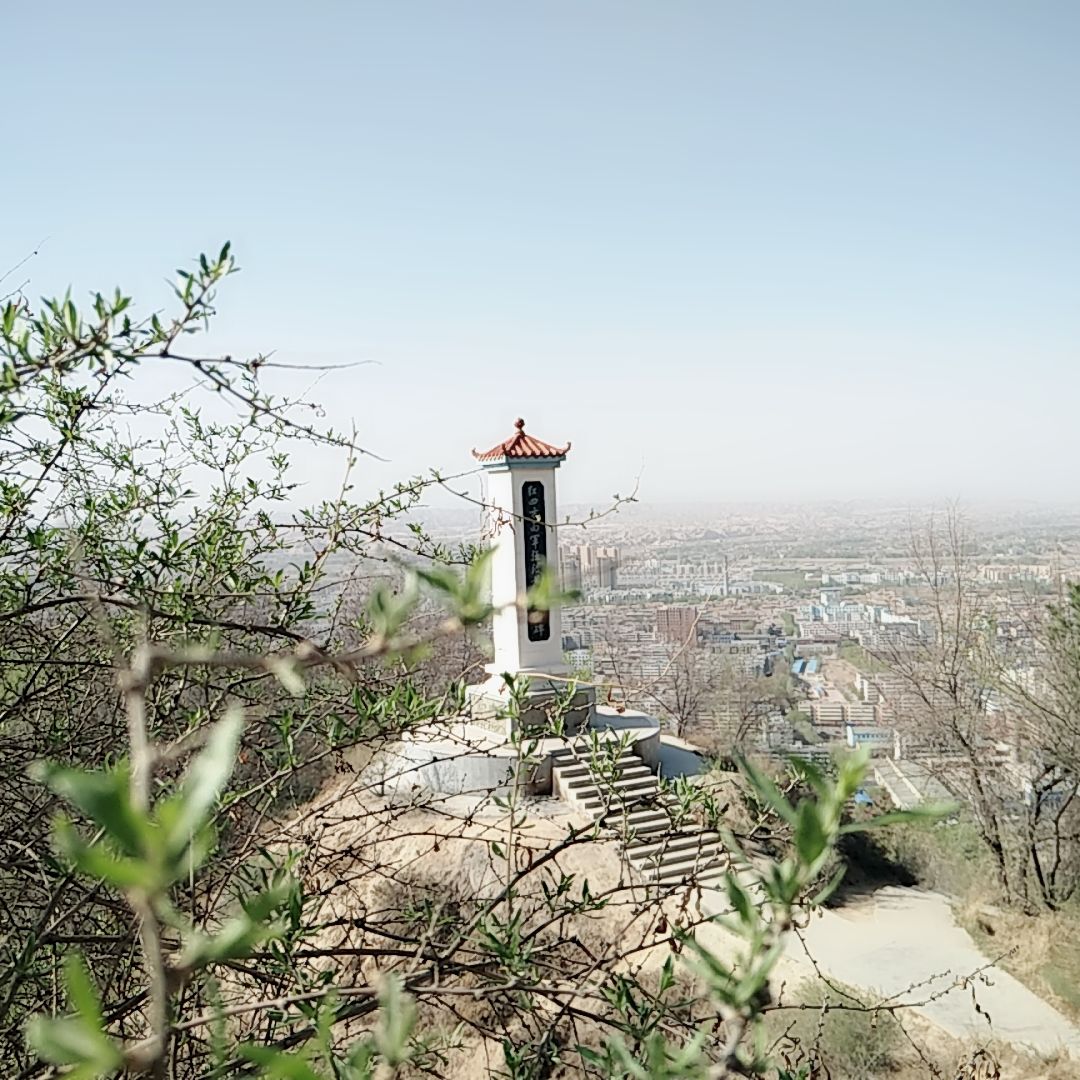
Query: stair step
{"points": [[709, 879], [663, 856], [641, 822], [643, 785], [685, 835], [713, 875], [616, 801], [636, 773], [583, 779], [670, 848], [631, 821], [617, 817], [682, 880], [623, 796], [584, 753], [684, 838], [686, 868], [571, 772], [642, 778], [576, 765], [681, 870], [633, 799]]}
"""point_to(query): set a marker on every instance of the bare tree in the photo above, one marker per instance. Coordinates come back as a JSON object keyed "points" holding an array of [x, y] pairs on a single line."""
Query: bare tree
{"points": [[993, 719], [686, 689]]}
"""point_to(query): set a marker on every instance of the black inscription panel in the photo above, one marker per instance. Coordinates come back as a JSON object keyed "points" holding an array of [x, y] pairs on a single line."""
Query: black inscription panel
{"points": [[535, 534]]}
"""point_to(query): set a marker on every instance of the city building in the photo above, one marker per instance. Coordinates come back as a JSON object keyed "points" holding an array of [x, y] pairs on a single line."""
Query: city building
{"points": [[828, 714], [677, 624], [879, 739], [587, 566]]}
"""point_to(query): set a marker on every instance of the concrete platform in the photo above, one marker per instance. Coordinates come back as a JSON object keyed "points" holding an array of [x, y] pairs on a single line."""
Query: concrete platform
{"points": [[457, 756]]}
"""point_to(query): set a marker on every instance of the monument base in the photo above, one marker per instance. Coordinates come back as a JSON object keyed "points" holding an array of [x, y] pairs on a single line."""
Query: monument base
{"points": [[549, 707]]}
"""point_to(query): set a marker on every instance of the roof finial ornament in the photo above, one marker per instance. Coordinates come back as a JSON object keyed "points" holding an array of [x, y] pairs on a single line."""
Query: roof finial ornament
{"points": [[521, 446]]}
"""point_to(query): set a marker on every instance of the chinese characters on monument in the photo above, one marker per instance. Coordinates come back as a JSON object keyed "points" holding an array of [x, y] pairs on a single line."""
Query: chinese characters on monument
{"points": [[535, 536]]}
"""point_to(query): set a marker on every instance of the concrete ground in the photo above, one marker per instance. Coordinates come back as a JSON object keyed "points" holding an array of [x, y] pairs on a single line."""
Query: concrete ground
{"points": [[901, 937]]}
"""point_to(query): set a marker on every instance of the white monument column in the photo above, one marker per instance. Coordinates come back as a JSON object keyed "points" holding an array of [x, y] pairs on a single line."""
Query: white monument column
{"points": [[523, 512]]}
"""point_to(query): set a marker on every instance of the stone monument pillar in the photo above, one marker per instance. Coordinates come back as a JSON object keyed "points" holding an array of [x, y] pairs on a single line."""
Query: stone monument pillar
{"points": [[522, 517]]}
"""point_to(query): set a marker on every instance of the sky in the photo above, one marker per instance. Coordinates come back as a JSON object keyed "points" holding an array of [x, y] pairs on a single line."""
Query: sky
{"points": [[733, 251]]}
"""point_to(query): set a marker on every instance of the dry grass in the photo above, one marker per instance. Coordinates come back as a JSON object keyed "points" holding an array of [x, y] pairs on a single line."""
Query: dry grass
{"points": [[855, 1047], [423, 872], [372, 869], [1042, 951]]}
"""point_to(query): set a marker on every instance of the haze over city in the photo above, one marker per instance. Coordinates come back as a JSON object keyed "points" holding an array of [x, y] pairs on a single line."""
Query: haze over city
{"points": [[540, 540], [750, 252]]}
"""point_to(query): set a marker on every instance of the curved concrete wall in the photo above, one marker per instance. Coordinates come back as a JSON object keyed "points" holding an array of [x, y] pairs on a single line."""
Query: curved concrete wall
{"points": [[680, 761], [643, 729], [410, 766]]}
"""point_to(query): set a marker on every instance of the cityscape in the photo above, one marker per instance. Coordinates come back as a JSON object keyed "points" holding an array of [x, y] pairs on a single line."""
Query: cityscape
{"points": [[351, 730], [779, 630]]}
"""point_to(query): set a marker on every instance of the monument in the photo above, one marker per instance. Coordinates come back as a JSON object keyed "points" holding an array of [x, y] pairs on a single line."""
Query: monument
{"points": [[476, 752], [521, 505]]}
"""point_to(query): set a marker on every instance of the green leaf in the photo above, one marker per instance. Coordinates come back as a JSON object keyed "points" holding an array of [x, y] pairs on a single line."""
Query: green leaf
{"points": [[360, 1057], [104, 797], [756, 979], [277, 1064], [288, 674], [832, 885], [667, 975], [241, 934], [547, 592], [466, 595], [813, 776], [717, 974], [740, 899], [923, 813], [767, 790], [811, 839], [204, 781], [439, 577], [96, 861], [78, 1040], [388, 611], [81, 993], [396, 1020], [590, 1056], [852, 769], [64, 1041]]}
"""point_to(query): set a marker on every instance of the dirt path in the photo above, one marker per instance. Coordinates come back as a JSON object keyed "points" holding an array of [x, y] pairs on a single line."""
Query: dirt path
{"points": [[899, 937]]}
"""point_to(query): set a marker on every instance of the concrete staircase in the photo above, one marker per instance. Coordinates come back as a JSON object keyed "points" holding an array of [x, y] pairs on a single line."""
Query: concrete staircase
{"points": [[622, 793]]}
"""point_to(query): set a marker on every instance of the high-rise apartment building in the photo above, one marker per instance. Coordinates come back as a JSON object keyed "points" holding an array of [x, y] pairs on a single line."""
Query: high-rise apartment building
{"points": [[677, 624], [570, 570], [588, 566], [606, 568]]}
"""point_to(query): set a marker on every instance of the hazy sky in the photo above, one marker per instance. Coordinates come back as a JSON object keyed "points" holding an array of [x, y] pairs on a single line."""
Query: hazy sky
{"points": [[760, 250]]}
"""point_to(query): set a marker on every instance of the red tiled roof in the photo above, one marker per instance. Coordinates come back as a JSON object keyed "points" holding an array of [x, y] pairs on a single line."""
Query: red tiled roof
{"points": [[520, 446]]}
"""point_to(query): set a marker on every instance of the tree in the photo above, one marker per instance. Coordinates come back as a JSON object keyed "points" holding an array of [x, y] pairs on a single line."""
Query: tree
{"points": [[1044, 697], [986, 696], [204, 692], [184, 538], [700, 693], [685, 690]]}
